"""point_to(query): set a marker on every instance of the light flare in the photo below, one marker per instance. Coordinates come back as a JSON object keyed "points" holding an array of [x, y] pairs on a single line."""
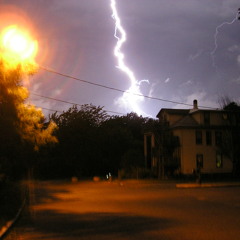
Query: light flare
{"points": [[127, 100], [17, 45]]}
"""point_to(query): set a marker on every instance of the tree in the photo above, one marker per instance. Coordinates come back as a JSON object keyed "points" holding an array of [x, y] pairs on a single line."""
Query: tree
{"points": [[93, 143], [230, 144], [22, 126], [116, 141], [124, 136], [79, 151]]}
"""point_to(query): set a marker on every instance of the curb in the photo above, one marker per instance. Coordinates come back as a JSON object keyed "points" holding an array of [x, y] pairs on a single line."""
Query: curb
{"points": [[9, 224], [206, 185]]}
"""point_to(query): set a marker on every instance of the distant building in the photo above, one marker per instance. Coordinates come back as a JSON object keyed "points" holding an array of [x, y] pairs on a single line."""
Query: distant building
{"points": [[188, 140]]}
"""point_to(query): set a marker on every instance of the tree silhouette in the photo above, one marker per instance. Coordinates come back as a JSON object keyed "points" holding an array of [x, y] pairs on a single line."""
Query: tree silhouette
{"points": [[231, 136], [22, 127], [93, 143]]}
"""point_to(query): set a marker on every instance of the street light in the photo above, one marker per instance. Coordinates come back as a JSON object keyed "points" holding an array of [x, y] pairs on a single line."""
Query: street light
{"points": [[17, 45]]}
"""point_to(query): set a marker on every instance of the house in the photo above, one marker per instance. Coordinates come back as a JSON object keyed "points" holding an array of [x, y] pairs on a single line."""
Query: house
{"points": [[188, 140]]}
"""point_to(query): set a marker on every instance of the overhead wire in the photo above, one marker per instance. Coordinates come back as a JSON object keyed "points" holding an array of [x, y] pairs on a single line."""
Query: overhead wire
{"points": [[49, 109], [72, 103], [117, 89]]}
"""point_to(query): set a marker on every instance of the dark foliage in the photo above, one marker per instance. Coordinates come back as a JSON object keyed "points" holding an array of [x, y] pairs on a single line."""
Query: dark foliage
{"points": [[231, 136], [21, 126], [93, 143]]}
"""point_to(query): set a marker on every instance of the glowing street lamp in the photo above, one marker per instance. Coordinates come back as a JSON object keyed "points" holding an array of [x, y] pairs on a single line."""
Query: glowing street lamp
{"points": [[17, 45]]}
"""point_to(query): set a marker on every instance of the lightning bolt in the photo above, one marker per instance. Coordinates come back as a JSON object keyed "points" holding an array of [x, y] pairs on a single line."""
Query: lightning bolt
{"points": [[127, 100], [216, 38]]}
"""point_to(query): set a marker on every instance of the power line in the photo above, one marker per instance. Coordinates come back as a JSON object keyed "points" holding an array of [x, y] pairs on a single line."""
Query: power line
{"points": [[116, 89], [49, 109], [72, 103], [52, 110]]}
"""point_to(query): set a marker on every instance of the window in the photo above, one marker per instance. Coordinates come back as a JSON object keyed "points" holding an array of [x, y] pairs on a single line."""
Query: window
{"points": [[206, 118], [198, 137], [219, 160], [199, 161], [208, 138], [218, 138]]}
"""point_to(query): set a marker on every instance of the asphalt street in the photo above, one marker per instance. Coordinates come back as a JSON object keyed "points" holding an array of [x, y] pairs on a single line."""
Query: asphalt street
{"points": [[128, 210]]}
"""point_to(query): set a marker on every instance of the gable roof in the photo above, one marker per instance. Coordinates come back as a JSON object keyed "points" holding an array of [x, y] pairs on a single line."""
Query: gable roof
{"points": [[173, 111], [187, 121]]}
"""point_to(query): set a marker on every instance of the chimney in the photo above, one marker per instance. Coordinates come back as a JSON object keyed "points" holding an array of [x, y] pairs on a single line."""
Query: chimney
{"points": [[195, 104]]}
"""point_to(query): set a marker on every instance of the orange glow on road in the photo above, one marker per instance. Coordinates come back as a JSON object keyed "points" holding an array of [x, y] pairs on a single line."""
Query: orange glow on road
{"points": [[17, 44]]}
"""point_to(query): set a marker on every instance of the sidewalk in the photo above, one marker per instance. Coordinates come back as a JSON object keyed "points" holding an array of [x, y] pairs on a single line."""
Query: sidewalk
{"points": [[178, 184], [207, 185]]}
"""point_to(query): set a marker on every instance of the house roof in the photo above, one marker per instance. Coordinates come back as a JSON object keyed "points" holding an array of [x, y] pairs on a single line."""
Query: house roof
{"points": [[174, 111], [186, 111], [187, 121]]}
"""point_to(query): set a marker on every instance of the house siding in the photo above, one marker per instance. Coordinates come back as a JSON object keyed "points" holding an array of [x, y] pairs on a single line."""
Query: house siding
{"points": [[184, 123], [189, 149]]}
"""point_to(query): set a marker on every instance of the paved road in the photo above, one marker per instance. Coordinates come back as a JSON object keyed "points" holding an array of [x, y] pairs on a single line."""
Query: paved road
{"points": [[132, 210]]}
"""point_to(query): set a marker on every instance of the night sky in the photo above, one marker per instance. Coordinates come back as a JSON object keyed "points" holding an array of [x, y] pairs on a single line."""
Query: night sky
{"points": [[170, 43]]}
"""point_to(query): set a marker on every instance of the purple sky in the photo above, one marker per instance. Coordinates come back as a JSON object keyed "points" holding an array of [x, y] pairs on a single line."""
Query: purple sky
{"points": [[169, 42]]}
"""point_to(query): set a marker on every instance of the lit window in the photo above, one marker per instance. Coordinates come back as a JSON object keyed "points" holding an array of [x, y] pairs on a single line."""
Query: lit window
{"points": [[219, 162], [199, 161]]}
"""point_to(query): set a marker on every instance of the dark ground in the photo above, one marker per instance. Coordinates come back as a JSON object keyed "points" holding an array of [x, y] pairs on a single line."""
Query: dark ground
{"points": [[11, 198], [128, 210]]}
